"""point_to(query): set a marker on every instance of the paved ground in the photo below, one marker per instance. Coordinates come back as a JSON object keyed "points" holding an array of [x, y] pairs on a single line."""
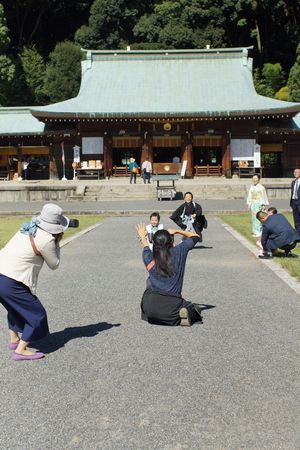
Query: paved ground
{"points": [[111, 381], [134, 206]]}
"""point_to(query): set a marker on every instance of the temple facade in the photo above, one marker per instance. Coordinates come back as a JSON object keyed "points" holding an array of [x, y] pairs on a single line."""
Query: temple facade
{"points": [[198, 106]]}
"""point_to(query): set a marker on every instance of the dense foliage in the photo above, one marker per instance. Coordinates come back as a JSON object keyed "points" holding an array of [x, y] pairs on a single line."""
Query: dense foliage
{"points": [[35, 64]]}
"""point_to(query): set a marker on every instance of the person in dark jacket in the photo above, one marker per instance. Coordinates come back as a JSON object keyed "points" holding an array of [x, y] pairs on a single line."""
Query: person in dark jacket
{"points": [[295, 199], [277, 232], [162, 303], [189, 216]]}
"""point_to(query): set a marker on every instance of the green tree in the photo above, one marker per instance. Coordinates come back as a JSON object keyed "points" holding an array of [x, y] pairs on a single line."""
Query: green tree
{"points": [[7, 68], [269, 80], [185, 24], [111, 23], [44, 23], [294, 79], [34, 69], [63, 72], [282, 94]]}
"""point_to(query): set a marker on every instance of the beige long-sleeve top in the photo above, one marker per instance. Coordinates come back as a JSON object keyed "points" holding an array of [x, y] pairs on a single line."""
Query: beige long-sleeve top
{"points": [[19, 262]]}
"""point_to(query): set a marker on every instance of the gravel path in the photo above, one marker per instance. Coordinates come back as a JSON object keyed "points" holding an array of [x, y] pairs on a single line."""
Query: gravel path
{"points": [[112, 381]]}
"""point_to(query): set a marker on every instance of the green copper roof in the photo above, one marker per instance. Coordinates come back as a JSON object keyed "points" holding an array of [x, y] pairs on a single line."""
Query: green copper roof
{"points": [[171, 83], [18, 121]]}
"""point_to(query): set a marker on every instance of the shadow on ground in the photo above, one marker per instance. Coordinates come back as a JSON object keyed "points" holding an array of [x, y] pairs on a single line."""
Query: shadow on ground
{"points": [[58, 339], [201, 247]]}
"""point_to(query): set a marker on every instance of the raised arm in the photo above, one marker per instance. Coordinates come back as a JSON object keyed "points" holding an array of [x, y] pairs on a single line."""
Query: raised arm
{"points": [[142, 234], [182, 232]]}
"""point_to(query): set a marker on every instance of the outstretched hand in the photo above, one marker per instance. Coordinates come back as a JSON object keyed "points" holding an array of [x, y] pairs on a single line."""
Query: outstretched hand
{"points": [[141, 229]]}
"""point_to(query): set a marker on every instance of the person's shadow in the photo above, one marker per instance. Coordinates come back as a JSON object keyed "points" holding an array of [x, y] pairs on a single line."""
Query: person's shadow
{"points": [[201, 247], [58, 339]]}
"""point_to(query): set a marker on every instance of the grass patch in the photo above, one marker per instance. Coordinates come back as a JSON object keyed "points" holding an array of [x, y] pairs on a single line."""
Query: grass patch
{"points": [[242, 224], [9, 225]]}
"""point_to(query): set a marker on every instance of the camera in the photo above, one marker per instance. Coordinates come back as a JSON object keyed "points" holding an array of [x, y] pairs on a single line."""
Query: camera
{"points": [[73, 223]]}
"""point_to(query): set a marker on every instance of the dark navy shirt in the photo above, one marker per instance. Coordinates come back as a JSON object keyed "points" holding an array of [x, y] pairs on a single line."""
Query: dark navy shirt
{"points": [[173, 284]]}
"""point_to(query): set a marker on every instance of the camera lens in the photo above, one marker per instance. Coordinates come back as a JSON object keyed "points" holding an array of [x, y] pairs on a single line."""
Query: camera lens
{"points": [[73, 223]]}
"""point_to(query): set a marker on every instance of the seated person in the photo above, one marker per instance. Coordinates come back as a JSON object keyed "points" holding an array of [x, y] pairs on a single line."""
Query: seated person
{"points": [[277, 232], [162, 303], [153, 227], [189, 216]]}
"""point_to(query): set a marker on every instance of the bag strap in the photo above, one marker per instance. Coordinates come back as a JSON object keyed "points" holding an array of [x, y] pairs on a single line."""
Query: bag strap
{"points": [[34, 246]]}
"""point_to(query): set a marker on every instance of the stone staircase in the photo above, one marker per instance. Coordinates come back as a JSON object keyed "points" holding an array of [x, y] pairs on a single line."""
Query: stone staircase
{"points": [[100, 192]]}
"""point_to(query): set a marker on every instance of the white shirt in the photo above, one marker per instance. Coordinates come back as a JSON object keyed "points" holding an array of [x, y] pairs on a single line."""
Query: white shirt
{"points": [[295, 191], [19, 262], [150, 229], [147, 166]]}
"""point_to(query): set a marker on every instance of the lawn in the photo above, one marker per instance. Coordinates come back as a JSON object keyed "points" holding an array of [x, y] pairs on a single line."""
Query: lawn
{"points": [[242, 224], [9, 225]]}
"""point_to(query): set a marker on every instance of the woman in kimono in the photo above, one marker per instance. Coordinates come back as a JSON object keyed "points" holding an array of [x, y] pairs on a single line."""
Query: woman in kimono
{"points": [[189, 216], [257, 200]]}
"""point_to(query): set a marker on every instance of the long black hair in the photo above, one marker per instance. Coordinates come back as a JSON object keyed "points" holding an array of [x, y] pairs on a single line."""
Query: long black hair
{"points": [[162, 242]]}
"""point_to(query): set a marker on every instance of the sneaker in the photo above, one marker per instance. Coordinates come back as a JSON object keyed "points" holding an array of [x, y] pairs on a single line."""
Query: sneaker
{"points": [[185, 320], [265, 256]]}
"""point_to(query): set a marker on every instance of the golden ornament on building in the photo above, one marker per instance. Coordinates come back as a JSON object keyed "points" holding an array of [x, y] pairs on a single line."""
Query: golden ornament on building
{"points": [[167, 126]]}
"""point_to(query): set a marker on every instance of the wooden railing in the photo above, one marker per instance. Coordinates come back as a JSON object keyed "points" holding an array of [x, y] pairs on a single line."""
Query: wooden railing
{"points": [[4, 175], [122, 171], [206, 171]]}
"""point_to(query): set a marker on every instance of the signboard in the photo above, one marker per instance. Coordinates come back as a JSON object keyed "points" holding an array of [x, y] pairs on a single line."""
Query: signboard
{"points": [[242, 149], [257, 161], [92, 145], [183, 168], [76, 153]]}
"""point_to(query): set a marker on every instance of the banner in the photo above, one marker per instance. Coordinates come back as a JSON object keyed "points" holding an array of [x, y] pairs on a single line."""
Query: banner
{"points": [[63, 153]]}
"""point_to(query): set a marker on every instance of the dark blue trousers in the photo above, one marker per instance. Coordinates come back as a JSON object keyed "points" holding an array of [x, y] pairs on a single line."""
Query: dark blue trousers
{"points": [[25, 313]]}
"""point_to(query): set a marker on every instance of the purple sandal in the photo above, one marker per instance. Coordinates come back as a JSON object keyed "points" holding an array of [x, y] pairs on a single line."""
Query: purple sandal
{"points": [[19, 357]]}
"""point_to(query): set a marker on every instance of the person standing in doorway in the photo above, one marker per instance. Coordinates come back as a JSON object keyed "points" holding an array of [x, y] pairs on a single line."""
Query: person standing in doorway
{"points": [[295, 199], [133, 169], [25, 165], [257, 200], [147, 170]]}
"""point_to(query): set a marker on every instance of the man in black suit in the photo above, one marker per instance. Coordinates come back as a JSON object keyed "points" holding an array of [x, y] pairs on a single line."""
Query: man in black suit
{"points": [[295, 199], [277, 232]]}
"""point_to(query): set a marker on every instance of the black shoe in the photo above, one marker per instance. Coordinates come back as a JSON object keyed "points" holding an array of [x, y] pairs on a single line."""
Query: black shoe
{"points": [[197, 313], [291, 255], [265, 256], [185, 319]]}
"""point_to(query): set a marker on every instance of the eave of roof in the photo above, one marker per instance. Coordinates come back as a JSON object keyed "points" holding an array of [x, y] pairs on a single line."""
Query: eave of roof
{"points": [[18, 121]]}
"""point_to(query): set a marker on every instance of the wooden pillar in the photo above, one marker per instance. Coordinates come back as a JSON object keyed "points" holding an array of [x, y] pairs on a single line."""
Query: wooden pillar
{"points": [[187, 154], [147, 148], [19, 161], [108, 155], [53, 174], [226, 155]]}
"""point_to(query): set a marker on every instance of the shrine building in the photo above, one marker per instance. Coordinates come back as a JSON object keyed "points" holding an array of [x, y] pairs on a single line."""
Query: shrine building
{"points": [[199, 106]]}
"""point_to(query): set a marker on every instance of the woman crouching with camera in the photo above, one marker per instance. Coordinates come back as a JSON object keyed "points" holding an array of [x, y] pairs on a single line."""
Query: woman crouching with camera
{"points": [[162, 303], [20, 263]]}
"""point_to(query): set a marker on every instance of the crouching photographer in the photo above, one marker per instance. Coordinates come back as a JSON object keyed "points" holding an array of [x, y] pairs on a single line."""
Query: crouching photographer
{"points": [[20, 263]]}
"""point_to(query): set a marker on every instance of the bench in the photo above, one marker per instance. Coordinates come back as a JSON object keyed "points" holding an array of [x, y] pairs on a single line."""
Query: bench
{"points": [[121, 171], [89, 173], [205, 171], [249, 171], [4, 175]]}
